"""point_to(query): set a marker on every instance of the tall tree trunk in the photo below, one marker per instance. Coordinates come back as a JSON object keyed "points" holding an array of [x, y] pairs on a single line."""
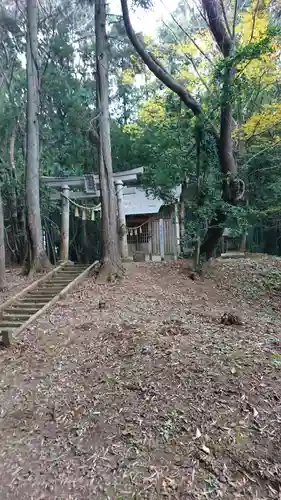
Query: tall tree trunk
{"points": [[111, 252], [2, 245], [39, 259], [228, 169], [14, 202]]}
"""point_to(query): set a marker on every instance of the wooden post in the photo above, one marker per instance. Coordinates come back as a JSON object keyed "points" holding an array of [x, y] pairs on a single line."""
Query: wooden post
{"points": [[197, 253], [150, 239], [161, 237], [243, 243], [182, 226], [177, 232], [122, 219], [64, 248]]}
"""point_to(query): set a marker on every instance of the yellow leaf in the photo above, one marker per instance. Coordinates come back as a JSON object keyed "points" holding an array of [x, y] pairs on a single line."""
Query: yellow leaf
{"points": [[127, 77], [153, 110]]}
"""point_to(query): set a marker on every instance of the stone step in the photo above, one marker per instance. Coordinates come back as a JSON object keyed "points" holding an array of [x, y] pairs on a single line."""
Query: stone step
{"points": [[28, 299], [52, 288], [46, 295], [49, 295], [36, 298], [70, 268], [62, 275], [14, 314], [9, 324], [60, 281], [70, 271], [56, 284], [24, 308], [37, 303], [22, 314], [55, 288], [61, 278], [76, 266], [75, 270], [70, 276], [30, 308], [43, 296]]}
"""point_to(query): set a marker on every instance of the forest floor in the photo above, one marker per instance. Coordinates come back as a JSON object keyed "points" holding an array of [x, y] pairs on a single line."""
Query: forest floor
{"points": [[151, 397], [15, 282]]}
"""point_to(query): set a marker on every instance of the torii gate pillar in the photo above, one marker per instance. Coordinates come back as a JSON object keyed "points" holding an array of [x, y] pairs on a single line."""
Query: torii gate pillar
{"points": [[64, 246], [122, 219]]}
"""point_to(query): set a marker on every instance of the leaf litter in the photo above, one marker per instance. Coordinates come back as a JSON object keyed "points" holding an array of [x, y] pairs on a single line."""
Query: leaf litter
{"points": [[151, 396]]}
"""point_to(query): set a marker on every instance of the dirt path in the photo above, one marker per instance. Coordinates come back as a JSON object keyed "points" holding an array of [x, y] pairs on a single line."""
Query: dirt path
{"points": [[148, 398]]}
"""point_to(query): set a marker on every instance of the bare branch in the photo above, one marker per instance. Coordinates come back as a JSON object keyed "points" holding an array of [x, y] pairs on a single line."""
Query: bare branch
{"points": [[2, 79], [188, 36], [157, 70], [259, 153], [189, 59], [234, 18], [6, 52], [254, 20], [225, 18]]}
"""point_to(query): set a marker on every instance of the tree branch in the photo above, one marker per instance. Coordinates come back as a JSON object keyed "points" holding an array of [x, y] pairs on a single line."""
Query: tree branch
{"points": [[225, 18], [254, 20], [259, 153], [217, 27], [234, 18], [225, 42], [189, 37], [157, 70], [189, 59]]}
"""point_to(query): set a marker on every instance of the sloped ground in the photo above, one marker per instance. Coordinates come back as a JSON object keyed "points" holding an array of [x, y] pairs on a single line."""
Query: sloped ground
{"points": [[15, 282], [151, 397]]}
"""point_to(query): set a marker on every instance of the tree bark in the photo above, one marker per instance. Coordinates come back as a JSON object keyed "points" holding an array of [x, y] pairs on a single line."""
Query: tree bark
{"points": [[14, 203], [39, 259], [111, 253], [2, 245]]}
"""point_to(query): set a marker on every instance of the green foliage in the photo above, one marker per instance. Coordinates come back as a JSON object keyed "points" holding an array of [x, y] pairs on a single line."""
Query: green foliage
{"points": [[248, 52]]}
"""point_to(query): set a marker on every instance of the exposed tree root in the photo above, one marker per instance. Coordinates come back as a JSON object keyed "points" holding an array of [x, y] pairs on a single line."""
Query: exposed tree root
{"points": [[40, 264], [213, 235], [110, 272]]}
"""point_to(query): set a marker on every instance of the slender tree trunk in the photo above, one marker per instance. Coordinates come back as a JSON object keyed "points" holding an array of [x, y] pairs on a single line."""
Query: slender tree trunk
{"points": [[14, 210], [228, 169], [85, 242], [111, 252], [2, 245], [39, 260], [14, 202]]}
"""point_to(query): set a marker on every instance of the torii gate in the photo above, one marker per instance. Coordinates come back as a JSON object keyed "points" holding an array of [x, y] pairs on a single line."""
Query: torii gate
{"points": [[90, 182]]}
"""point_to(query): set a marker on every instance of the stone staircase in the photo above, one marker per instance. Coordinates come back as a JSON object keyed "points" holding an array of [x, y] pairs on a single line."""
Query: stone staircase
{"points": [[16, 314]]}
